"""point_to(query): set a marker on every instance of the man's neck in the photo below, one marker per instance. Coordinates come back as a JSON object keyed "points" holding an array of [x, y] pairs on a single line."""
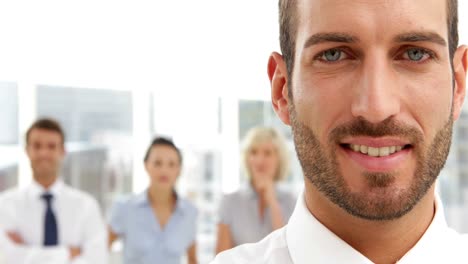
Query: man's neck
{"points": [[45, 181], [379, 241]]}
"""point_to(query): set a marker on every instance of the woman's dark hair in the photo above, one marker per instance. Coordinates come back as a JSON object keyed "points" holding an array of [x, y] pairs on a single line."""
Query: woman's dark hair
{"points": [[161, 141]]}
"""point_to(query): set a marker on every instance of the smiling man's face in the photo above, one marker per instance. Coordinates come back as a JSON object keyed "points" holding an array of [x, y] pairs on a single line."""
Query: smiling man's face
{"points": [[373, 101], [45, 151]]}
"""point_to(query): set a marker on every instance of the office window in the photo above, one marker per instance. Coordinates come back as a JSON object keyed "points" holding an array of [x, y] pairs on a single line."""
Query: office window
{"points": [[8, 167], [8, 135], [453, 181], [259, 113], [8, 113]]}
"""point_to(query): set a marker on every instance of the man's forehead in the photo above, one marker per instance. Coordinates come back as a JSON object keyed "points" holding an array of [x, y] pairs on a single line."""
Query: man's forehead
{"points": [[40, 133], [375, 4], [382, 17]]}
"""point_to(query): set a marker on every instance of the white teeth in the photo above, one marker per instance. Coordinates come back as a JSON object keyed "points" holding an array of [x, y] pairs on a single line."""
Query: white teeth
{"points": [[363, 149], [373, 152], [356, 148], [376, 152], [385, 151]]}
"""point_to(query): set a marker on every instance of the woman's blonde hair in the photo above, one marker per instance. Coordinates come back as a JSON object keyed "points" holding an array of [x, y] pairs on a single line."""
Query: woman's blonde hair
{"points": [[258, 135]]}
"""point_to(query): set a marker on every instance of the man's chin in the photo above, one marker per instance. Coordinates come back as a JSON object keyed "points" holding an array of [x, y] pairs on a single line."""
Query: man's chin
{"points": [[379, 204], [46, 173]]}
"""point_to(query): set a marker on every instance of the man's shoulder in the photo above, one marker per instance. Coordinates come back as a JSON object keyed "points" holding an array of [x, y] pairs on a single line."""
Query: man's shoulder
{"points": [[272, 249], [448, 246], [12, 194], [79, 195], [455, 244]]}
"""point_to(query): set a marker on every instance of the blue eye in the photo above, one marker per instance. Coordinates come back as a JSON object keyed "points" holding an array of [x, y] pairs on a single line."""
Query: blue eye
{"points": [[415, 54], [332, 55]]}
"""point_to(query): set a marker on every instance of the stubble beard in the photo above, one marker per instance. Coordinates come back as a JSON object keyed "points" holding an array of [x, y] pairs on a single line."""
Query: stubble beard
{"points": [[320, 167]]}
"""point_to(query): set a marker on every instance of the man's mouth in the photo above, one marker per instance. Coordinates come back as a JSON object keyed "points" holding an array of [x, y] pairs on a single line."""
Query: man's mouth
{"points": [[376, 151]]}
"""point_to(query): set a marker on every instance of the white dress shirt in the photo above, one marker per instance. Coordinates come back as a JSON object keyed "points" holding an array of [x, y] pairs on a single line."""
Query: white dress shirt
{"points": [[79, 220], [304, 240]]}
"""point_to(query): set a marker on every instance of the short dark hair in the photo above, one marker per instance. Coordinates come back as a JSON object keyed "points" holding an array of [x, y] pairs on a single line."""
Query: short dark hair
{"points": [[162, 141], [452, 22], [46, 124], [288, 19]]}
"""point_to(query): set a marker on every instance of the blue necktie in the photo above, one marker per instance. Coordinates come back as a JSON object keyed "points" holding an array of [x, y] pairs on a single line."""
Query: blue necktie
{"points": [[50, 222]]}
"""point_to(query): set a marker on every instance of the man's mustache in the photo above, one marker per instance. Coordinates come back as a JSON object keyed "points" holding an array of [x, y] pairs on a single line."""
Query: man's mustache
{"points": [[388, 127]]}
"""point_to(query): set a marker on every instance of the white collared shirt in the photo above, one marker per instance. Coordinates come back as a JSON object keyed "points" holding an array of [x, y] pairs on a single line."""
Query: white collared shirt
{"points": [[80, 224], [304, 240]]}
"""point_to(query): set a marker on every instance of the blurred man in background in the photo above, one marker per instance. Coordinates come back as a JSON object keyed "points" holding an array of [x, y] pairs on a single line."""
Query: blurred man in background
{"points": [[48, 221]]}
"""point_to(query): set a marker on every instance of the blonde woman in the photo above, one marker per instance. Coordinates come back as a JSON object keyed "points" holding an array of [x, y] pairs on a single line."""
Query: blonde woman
{"points": [[255, 211]]}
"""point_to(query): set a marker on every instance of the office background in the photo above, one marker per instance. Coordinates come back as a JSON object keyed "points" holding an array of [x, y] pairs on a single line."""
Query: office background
{"points": [[116, 74]]}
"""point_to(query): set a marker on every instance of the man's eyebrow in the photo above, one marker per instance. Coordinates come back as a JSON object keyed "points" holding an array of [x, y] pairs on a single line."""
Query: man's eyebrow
{"points": [[416, 36], [330, 37], [421, 36]]}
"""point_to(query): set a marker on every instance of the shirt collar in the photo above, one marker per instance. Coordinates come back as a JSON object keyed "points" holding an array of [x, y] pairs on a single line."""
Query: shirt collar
{"points": [[304, 229], [143, 200], [433, 240], [35, 190]]}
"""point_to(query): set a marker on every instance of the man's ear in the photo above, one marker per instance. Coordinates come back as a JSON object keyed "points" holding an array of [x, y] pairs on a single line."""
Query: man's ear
{"points": [[278, 74], [460, 66]]}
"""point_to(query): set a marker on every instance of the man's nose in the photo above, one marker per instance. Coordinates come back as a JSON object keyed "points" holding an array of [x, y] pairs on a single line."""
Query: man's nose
{"points": [[44, 152], [376, 91]]}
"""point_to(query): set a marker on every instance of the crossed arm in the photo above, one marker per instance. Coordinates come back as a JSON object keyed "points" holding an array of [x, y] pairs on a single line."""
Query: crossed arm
{"points": [[92, 249]]}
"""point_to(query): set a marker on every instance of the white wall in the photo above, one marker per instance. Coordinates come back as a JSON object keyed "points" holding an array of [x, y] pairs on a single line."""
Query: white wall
{"points": [[208, 45]]}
